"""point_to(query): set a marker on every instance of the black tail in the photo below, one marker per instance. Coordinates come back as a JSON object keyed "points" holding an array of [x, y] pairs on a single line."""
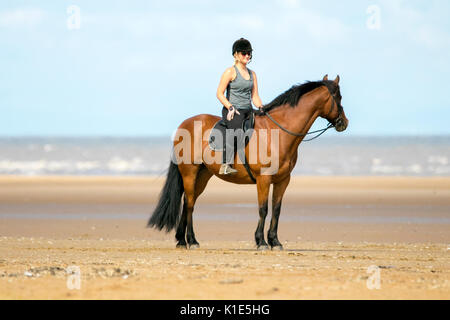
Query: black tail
{"points": [[167, 212]]}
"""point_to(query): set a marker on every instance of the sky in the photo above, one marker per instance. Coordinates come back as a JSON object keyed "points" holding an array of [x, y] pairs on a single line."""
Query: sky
{"points": [[139, 68]]}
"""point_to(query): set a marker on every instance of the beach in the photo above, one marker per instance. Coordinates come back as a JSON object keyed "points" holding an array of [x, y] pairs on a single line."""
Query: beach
{"points": [[343, 237]]}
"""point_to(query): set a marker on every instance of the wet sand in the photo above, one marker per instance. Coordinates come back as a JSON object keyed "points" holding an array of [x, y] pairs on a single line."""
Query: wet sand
{"points": [[332, 228]]}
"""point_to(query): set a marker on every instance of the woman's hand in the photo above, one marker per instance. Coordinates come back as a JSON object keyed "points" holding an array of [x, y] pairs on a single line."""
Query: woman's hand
{"points": [[231, 111]]}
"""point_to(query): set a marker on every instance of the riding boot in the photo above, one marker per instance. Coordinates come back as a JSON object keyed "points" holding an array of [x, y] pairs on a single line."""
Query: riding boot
{"points": [[226, 169]]}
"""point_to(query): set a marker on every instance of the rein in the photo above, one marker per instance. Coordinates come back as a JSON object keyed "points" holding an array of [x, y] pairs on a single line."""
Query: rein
{"points": [[322, 131]]}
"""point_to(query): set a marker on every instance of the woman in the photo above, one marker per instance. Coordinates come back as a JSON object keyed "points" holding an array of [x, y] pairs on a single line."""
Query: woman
{"points": [[241, 90]]}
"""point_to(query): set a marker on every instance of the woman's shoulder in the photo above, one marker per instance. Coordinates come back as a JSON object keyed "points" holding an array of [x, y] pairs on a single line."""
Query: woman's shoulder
{"points": [[231, 72]]}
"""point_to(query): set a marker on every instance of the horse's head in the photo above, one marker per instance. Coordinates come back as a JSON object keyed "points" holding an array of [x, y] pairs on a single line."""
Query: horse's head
{"points": [[333, 110]]}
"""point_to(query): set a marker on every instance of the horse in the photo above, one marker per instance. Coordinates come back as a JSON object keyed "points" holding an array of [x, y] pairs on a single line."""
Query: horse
{"points": [[294, 112]]}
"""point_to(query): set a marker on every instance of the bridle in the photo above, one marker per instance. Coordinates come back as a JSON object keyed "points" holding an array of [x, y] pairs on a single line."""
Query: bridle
{"points": [[321, 131]]}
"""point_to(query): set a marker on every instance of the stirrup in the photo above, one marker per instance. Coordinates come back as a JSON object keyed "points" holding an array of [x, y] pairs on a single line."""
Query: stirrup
{"points": [[226, 169]]}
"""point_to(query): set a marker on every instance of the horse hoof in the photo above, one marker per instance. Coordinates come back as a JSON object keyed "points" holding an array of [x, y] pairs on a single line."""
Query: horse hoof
{"points": [[194, 246], [277, 248], [263, 248], [181, 246]]}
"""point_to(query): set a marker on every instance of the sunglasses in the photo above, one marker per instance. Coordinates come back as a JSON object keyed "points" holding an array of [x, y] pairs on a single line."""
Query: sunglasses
{"points": [[244, 53]]}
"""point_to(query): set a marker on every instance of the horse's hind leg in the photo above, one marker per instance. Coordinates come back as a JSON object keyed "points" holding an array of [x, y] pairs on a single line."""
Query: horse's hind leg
{"points": [[181, 229], [202, 179], [189, 173], [193, 187]]}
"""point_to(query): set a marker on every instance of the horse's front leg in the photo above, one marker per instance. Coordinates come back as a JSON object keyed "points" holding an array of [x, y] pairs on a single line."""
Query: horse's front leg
{"points": [[277, 197], [263, 186]]}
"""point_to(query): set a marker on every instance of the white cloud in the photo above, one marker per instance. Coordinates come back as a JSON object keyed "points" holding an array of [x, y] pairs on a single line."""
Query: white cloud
{"points": [[272, 21], [138, 62], [25, 17], [304, 22], [250, 21], [419, 26], [431, 37], [291, 4]]}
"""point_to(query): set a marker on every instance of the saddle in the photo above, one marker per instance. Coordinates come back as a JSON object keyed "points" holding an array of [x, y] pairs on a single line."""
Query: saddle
{"points": [[217, 139], [217, 136]]}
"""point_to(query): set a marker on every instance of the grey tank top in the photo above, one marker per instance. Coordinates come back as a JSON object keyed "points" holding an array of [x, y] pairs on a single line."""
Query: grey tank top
{"points": [[239, 91]]}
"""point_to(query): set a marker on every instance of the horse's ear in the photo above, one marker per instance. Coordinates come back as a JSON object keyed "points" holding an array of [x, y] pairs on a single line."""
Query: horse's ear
{"points": [[336, 81], [325, 78]]}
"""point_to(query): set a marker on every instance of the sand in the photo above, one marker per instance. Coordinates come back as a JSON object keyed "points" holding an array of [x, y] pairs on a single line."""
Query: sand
{"points": [[340, 236]]}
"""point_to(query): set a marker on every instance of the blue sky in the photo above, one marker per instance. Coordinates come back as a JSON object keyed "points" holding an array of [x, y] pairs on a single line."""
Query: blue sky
{"points": [[141, 67]]}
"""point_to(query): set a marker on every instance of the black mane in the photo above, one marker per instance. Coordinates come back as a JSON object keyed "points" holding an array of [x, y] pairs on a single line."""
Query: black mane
{"points": [[293, 95]]}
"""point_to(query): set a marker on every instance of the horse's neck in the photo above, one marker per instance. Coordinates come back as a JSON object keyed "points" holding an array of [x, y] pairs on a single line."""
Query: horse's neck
{"points": [[298, 119]]}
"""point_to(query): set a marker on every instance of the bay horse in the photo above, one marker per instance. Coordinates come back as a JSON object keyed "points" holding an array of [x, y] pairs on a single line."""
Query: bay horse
{"points": [[294, 112]]}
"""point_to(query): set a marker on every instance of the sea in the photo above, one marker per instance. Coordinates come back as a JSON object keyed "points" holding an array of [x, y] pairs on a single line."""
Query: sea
{"points": [[142, 156]]}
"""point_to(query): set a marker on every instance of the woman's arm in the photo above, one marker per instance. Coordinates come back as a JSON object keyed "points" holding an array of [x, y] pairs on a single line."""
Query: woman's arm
{"points": [[224, 81], [255, 95]]}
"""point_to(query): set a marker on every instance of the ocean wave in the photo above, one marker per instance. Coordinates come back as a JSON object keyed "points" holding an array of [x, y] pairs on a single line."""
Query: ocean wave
{"points": [[114, 166], [151, 156]]}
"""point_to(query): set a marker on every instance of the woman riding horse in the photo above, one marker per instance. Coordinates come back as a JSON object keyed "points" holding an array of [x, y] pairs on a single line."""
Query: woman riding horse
{"points": [[242, 87], [291, 114]]}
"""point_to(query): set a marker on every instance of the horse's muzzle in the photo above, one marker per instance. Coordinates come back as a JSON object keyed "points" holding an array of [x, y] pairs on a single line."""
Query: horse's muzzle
{"points": [[341, 124]]}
